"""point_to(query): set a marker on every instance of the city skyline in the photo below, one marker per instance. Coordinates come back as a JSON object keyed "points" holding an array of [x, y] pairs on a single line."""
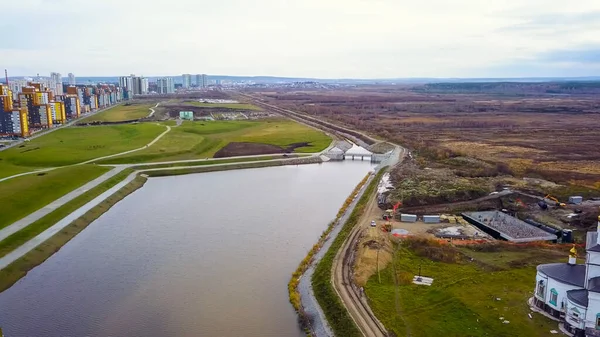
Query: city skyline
{"points": [[312, 39]]}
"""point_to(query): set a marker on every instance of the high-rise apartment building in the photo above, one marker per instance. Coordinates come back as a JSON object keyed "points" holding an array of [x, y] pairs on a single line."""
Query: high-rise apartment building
{"points": [[72, 80], [56, 83], [134, 85], [165, 85], [204, 80], [187, 80]]}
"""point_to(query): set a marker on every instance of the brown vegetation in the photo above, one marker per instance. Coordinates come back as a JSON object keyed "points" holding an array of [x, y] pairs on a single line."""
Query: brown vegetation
{"points": [[474, 130]]}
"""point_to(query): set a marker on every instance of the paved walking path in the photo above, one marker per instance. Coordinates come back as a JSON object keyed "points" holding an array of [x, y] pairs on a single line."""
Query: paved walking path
{"points": [[48, 233], [40, 213]]}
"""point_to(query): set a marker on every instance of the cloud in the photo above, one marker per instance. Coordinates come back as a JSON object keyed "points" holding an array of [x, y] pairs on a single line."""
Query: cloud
{"points": [[310, 38]]}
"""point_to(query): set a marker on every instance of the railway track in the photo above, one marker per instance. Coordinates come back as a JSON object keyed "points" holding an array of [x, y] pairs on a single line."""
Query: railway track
{"points": [[352, 297]]}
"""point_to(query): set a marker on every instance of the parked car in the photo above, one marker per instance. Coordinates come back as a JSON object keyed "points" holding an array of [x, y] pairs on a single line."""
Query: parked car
{"points": [[373, 223]]}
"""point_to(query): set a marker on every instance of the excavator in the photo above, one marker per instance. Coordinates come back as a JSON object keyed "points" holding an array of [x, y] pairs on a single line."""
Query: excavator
{"points": [[389, 215], [558, 203]]}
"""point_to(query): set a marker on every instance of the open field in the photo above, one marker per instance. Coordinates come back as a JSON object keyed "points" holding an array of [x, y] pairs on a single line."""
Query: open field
{"points": [[503, 276], [7, 169], [123, 112], [195, 140], [77, 144], [19, 268], [24, 195], [17, 239], [235, 106], [467, 140], [525, 126]]}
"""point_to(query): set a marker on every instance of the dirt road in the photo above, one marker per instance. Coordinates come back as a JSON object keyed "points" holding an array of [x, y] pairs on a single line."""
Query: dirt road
{"points": [[342, 279]]}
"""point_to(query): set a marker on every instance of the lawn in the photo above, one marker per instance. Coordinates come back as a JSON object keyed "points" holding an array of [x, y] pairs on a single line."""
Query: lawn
{"points": [[7, 169], [23, 195], [193, 140], [237, 106], [17, 239], [124, 112], [467, 298], [77, 144]]}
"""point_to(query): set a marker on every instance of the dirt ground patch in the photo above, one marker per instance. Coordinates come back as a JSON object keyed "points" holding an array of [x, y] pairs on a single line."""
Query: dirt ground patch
{"points": [[247, 149]]}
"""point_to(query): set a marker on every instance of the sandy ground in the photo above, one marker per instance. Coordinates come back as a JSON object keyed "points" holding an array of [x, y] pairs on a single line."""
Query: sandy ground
{"points": [[375, 247]]}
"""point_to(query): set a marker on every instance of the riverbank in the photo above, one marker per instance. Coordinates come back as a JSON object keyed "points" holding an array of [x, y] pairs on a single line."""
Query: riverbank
{"points": [[26, 249], [19, 268], [294, 294], [334, 310]]}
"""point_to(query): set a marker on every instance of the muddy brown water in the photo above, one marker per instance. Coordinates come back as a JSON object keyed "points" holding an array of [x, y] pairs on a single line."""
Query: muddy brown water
{"points": [[196, 255]]}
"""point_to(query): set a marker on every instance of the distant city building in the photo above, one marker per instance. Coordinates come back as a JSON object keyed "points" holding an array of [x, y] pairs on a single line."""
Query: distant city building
{"points": [[72, 79], [204, 80], [56, 83], [198, 81], [138, 85], [165, 85], [187, 80], [126, 82]]}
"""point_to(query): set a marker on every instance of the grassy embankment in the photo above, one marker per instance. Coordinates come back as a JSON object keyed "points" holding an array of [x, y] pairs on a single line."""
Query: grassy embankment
{"points": [[503, 276], [18, 269], [78, 144], [294, 295], [337, 315], [236, 106], [124, 112], [23, 195], [235, 165], [208, 162], [17, 239], [195, 140]]}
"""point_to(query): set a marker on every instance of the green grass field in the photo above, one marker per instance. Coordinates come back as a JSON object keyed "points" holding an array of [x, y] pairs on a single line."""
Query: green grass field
{"points": [[23, 195], [8, 169], [467, 298], [77, 144], [237, 106], [122, 112], [17, 239], [193, 140]]}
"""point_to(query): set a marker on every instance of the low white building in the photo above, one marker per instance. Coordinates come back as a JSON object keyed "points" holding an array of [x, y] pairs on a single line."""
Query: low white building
{"points": [[571, 291]]}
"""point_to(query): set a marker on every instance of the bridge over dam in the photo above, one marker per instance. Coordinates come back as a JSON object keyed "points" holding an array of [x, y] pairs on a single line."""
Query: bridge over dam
{"points": [[344, 150]]}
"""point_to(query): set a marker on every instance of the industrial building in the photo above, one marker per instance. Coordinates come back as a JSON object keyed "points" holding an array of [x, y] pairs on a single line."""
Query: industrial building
{"points": [[503, 226]]}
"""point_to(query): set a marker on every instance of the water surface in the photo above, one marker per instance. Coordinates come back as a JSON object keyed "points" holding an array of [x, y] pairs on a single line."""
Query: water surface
{"points": [[195, 255]]}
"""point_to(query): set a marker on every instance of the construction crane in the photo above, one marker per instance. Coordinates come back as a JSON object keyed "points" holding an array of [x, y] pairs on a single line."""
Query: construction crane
{"points": [[558, 203]]}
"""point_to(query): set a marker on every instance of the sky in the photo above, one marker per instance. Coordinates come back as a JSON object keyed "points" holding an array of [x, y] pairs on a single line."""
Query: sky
{"points": [[303, 38]]}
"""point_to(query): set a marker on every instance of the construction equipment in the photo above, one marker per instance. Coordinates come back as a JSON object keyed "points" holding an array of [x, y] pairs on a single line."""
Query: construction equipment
{"points": [[389, 214], [558, 203]]}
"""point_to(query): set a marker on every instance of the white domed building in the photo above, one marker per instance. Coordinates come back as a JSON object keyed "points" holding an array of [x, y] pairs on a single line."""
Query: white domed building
{"points": [[571, 292]]}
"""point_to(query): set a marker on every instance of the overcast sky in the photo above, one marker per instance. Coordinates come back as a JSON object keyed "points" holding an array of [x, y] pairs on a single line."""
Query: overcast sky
{"points": [[303, 38]]}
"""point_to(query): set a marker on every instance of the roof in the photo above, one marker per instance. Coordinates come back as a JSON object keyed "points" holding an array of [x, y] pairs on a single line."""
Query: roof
{"points": [[358, 151], [594, 284], [595, 248], [573, 274], [336, 150], [578, 296]]}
